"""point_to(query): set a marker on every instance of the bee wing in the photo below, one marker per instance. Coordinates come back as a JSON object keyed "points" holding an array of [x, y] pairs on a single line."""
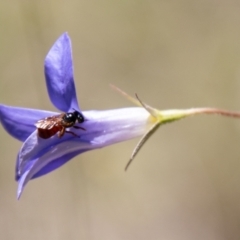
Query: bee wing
{"points": [[49, 122]]}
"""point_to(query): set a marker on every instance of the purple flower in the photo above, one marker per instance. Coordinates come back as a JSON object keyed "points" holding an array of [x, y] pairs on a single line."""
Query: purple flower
{"points": [[39, 156]]}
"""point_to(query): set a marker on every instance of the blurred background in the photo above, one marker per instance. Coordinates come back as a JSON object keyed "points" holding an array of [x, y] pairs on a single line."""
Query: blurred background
{"points": [[184, 184]]}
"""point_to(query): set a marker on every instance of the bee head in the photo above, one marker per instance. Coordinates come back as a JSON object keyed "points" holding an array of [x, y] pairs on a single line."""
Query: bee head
{"points": [[79, 117], [73, 117]]}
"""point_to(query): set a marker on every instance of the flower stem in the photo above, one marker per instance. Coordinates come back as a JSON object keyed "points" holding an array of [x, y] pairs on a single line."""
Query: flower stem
{"points": [[173, 115], [215, 111]]}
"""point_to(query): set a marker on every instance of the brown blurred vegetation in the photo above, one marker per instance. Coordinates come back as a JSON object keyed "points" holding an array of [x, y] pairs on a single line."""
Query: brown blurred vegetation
{"points": [[185, 183]]}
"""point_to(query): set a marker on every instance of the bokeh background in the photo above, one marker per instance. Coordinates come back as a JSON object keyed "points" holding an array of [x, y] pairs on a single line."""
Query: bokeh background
{"points": [[185, 183]]}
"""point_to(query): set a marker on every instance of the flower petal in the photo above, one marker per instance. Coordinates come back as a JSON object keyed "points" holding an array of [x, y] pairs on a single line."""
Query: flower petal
{"points": [[39, 156], [56, 164], [44, 169], [102, 129], [59, 75], [19, 122]]}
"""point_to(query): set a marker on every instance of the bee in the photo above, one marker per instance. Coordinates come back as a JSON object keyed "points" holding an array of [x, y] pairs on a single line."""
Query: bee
{"points": [[49, 126]]}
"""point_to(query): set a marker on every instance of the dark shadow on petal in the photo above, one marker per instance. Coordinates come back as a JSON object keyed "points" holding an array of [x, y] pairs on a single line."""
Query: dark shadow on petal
{"points": [[56, 163], [33, 165]]}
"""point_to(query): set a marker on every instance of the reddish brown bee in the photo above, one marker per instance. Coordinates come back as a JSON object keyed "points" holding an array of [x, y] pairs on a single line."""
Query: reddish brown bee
{"points": [[49, 126]]}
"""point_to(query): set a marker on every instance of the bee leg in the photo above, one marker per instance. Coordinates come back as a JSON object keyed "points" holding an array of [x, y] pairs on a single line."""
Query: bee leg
{"points": [[77, 127], [74, 134], [61, 132]]}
